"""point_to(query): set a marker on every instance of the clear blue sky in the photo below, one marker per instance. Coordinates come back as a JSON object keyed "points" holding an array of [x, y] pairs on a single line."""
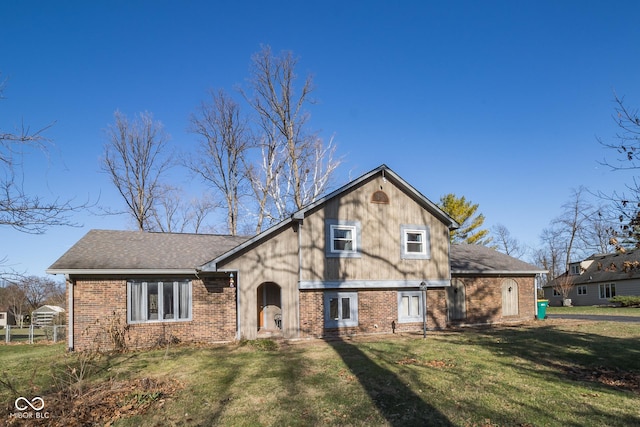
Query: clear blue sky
{"points": [[499, 101]]}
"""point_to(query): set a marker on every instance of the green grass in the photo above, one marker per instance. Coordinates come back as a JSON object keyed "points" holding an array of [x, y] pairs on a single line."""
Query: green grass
{"points": [[596, 310], [550, 373]]}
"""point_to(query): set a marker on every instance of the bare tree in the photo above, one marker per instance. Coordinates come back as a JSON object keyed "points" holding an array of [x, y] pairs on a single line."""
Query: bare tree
{"points": [[507, 243], [296, 166], [221, 158], [172, 214], [136, 158], [20, 210], [626, 145], [29, 293]]}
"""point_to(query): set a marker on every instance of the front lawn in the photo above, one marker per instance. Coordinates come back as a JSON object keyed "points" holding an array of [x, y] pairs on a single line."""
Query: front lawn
{"points": [[596, 310], [544, 373]]}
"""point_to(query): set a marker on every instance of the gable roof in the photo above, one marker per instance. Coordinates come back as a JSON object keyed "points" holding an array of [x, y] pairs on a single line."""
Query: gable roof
{"points": [[600, 268], [383, 170], [140, 252], [48, 309], [477, 259]]}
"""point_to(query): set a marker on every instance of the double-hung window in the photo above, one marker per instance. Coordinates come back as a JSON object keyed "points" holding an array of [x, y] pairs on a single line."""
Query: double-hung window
{"points": [[410, 306], [582, 289], [343, 238], [415, 242], [154, 301], [341, 309], [607, 290]]}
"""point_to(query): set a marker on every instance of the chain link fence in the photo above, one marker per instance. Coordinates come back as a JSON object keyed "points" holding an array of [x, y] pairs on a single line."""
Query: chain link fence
{"points": [[33, 334]]}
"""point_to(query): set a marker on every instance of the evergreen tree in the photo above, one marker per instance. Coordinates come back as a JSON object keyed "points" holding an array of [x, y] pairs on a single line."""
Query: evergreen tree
{"points": [[464, 213]]}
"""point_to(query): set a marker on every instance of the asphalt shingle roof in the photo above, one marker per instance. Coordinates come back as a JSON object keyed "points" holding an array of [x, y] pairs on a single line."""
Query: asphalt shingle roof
{"points": [[608, 268], [479, 259], [139, 250]]}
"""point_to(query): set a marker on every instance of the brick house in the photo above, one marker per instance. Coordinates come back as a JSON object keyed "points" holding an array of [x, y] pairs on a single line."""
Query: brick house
{"points": [[352, 262]]}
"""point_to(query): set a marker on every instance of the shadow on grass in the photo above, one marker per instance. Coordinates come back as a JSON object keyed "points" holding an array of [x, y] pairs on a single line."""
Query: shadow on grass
{"points": [[395, 401]]}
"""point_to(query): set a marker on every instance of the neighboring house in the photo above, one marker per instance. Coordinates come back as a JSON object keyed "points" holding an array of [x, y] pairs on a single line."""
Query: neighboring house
{"points": [[46, 315], [598, 278], [6, 318], [352, 262]]}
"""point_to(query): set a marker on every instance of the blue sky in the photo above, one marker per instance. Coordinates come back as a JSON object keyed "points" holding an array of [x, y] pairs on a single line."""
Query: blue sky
{"points": [[497, 101]]}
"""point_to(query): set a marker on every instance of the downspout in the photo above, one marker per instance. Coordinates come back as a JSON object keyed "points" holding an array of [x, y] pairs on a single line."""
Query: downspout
{"points": [[297, 299], [70, 323]]}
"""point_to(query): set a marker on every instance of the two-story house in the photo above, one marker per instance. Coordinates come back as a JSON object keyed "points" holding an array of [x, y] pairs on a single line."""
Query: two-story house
{"points": [[368, 258]]}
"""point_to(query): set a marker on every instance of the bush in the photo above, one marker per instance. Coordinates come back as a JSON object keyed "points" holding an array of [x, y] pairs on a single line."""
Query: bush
{"points": [[626, 300]]}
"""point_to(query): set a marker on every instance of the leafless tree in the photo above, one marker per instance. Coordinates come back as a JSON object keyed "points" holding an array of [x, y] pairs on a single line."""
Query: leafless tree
{"points": [[626, 145], [221, 159], [20, 210], [296, 166], [136, 158], [29, 293], [506, 243], [172, 214]]}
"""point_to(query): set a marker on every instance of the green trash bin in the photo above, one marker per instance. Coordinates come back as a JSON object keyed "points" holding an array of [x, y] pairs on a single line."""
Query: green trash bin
{"points": [[542, 308]]}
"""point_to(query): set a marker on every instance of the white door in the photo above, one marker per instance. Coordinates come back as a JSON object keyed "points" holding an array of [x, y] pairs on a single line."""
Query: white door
{"points": [[509, 297]]}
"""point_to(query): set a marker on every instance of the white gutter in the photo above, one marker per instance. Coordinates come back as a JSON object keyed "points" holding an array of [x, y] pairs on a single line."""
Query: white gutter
{"points": [[125, 272]]}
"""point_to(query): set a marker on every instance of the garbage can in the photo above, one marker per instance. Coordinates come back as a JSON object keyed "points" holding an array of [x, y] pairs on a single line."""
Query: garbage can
{"points": [[542, 308]]}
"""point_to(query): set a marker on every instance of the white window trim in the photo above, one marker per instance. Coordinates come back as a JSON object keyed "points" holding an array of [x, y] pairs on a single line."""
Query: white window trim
{"points": [[581, 289], [417, 317], [606, 286], [405, 229], [330, 226], [145, 305], [353, 307]]}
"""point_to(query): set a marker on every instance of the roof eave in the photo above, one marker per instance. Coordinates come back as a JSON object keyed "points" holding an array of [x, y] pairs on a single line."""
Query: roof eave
{"points": [[499, 272], [123, 272]]}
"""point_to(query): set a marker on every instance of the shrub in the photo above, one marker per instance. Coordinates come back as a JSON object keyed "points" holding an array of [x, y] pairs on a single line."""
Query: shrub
{"points": [[626, 300]]}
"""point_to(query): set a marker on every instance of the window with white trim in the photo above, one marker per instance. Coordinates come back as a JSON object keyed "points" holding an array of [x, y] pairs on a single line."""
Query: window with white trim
{"points": [[342, 238], [340, 309], [575, 269], [415, 242], [410, 306], [159, 301], [582, 289], [607, 290]]}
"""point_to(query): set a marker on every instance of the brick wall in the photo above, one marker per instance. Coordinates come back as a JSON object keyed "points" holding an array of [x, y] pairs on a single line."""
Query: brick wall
{"points": [[100, 310], [378, 309], [484, 299], [377, 313]]}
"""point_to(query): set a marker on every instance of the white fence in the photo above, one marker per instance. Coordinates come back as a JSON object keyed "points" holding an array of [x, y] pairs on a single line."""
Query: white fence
{"points": [[33, 334]]}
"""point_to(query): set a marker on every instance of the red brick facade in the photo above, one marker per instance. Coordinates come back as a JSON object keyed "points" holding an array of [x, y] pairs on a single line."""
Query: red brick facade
{"points": [[100, 313]]}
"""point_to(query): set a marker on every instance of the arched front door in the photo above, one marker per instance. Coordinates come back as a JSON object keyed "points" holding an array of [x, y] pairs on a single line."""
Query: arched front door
{"points": [[269, 308], [456, 300], [509, 297]]}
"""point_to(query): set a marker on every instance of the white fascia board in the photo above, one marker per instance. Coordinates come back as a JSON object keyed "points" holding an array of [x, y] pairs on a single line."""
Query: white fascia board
{"points": [[497, 272], [127, 272], [371, 284]]}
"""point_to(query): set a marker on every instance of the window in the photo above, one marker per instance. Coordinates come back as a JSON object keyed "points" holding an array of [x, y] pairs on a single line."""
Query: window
{"points": [[342, 238], [607, 290], [410, 306], [341, 309], [158, 301], [556, 293], [582, 290], [415, 242], [575, 269]]}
